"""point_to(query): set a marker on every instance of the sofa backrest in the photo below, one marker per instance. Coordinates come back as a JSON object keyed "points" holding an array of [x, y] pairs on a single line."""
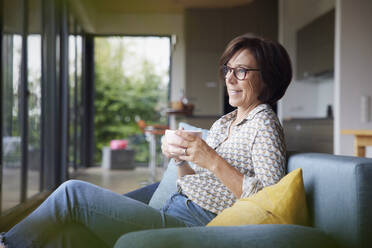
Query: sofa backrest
{"points": [[339, 195]]}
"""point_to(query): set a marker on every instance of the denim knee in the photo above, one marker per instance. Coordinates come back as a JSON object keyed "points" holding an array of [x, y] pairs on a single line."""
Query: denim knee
{"points": [[69, 189], [72, 183], [70, 186]]}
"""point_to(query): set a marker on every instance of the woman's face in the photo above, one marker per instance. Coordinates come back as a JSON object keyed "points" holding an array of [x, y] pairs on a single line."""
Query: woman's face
{"points": [[243, 93]]}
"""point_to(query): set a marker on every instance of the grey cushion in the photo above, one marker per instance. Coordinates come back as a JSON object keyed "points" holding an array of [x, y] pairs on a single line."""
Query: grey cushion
{"points": [[168, 183], [166, 187], [258, 236]]}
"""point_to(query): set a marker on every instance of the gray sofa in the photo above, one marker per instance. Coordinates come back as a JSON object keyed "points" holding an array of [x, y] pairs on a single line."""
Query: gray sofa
{"points": [[339, 196]]}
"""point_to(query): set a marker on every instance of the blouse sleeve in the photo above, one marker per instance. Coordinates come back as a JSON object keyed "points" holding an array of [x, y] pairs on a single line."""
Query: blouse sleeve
{"points": [[268, 158]]}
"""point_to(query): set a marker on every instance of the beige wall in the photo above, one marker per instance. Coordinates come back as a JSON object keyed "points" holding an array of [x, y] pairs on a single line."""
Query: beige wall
{"points": [[207, 32]]}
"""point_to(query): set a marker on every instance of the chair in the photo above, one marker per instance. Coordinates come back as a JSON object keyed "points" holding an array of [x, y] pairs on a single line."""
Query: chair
{"points": [[151, 131]]}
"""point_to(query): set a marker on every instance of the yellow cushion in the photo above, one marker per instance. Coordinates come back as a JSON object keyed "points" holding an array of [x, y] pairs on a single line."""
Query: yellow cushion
{"points": [[282, 203]]}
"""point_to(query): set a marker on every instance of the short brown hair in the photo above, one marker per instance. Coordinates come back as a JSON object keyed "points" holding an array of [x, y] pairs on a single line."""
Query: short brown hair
{"points": [[272, 60]]}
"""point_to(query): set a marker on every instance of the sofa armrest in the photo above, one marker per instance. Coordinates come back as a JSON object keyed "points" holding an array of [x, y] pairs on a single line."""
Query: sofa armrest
{"points": [[258, 236], [143, 194]]}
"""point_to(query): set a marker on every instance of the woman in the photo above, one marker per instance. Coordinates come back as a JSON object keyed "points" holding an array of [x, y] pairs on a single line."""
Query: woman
{"points": [[244, 152]]}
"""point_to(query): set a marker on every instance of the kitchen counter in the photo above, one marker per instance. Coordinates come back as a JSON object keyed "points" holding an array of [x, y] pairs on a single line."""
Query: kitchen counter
{"points": [[308, 119]]}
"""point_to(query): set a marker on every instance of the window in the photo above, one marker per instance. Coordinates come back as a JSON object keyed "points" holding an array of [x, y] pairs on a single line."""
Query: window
{"points": [[35, 106], [75, 103]]}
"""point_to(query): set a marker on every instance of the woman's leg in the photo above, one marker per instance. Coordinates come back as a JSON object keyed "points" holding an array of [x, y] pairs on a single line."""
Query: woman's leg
{"points": [[74, 235], [106, 214]]}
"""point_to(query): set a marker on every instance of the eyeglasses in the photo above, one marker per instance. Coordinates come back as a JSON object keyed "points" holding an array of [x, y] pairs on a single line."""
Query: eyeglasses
{"points": [[239, 73]]}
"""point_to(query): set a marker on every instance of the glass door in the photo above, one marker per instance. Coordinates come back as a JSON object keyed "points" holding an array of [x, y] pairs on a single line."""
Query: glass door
{"points": [[34, 97], [11, 120]]}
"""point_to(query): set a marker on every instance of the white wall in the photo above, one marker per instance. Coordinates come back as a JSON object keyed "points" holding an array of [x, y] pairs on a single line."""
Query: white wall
{"points": [[308, 99], [325, 96], [300, 101], [353, 69], [302, 98], [150, 24]]}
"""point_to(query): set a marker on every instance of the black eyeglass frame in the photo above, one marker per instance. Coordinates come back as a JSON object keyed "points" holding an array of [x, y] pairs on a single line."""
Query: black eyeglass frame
{"points": [[226, 69]]}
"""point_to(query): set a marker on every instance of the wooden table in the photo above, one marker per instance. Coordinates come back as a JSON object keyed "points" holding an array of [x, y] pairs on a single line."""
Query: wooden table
{"points": [[362, 139]]}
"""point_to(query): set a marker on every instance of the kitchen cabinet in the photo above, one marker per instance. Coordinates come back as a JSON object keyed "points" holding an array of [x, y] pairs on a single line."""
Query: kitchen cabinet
{"points": [[315, 47]]}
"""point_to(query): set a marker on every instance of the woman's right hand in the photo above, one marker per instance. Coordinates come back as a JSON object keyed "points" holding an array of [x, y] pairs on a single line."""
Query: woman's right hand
{"points": [[165, 147], [169, 150]]}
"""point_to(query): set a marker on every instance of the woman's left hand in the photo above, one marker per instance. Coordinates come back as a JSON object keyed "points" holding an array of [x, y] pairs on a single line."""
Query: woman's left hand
{"points": [[197, 150]]}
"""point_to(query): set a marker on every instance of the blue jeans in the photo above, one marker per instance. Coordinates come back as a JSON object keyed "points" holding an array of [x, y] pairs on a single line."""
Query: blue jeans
{"points": [[79, 214], [182, 208]]}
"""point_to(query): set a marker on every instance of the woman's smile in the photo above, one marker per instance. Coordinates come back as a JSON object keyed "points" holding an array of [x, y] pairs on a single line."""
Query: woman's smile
{"points": [[233, 93]]}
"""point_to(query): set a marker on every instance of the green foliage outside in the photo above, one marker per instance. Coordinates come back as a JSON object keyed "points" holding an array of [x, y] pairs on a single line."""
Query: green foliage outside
{"points": [[11, 95], [121, 100]]}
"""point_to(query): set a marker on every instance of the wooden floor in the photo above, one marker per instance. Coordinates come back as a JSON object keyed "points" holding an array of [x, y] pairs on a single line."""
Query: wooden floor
{"points": [[119, 181], [11, 185]]}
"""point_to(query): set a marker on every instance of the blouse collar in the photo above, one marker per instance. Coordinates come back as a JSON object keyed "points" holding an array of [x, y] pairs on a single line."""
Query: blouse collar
{"points": [[232, 115]]}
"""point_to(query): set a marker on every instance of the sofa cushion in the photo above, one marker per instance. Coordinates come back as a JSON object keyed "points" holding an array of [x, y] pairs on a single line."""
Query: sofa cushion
{"points": [[282, 203], [257, 236], [168, 184], [166, 187]]}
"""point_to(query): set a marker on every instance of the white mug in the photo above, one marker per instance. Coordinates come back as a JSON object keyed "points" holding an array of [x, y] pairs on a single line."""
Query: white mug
{"points": [[172, 137]]}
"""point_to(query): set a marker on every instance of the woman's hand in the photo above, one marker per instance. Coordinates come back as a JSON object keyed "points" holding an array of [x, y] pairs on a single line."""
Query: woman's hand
{"points": [[165, 148], [170, 150], [201, 154], [194, 149]]}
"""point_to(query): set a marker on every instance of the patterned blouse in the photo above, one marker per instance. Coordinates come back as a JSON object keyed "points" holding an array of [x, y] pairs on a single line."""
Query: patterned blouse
{"points": [[255, 147]]}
